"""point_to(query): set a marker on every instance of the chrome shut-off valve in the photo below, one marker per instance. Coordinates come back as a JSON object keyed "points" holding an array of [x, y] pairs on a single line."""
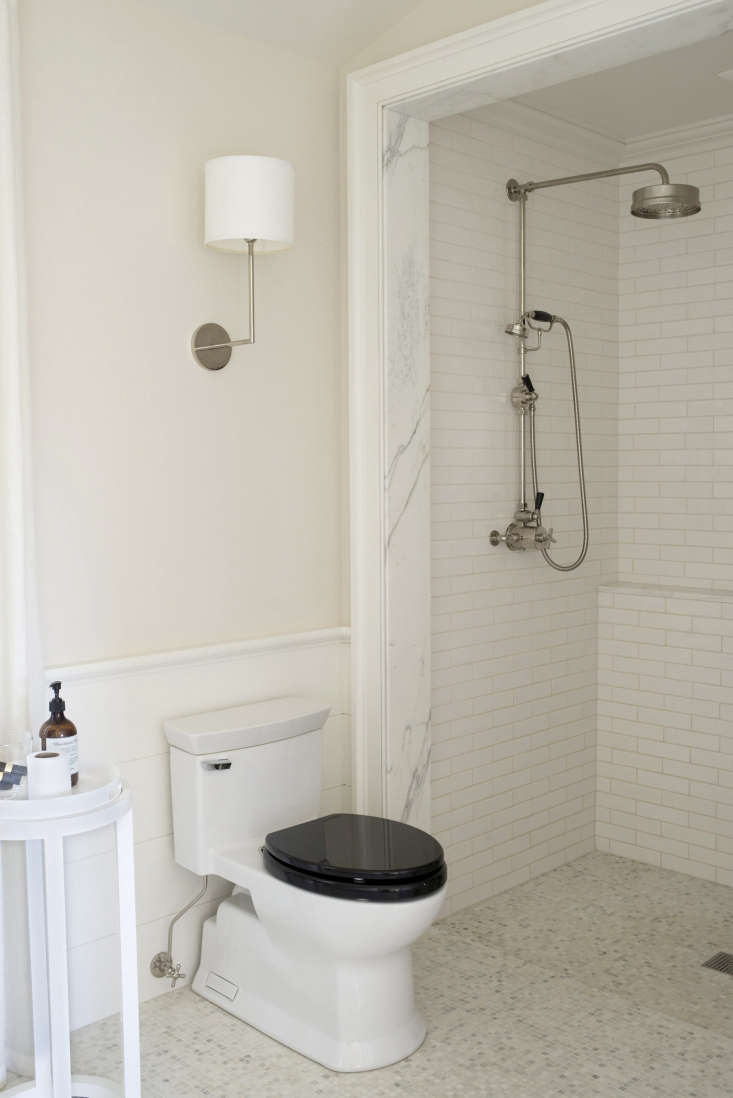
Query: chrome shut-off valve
{"points": [[163, 967], [526, 530]]}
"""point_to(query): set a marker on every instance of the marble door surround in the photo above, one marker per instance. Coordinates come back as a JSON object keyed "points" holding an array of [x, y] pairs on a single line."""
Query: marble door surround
{"points": [[389, 108]]}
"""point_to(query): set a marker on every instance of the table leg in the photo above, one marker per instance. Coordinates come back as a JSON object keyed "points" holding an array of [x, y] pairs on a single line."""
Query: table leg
{"points": [[39, 963], [58, 966], [128, 957], [3, 1035]]}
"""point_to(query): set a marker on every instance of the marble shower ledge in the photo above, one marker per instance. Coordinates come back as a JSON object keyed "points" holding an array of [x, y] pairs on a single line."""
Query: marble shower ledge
{"points": [[667, 591]]}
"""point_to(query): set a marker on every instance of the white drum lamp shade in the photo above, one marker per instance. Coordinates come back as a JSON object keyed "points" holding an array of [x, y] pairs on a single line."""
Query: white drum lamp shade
{"points": [[249, 198]]}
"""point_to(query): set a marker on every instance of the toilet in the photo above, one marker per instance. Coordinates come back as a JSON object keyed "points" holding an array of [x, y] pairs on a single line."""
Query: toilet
{"points": [[313, 945]]}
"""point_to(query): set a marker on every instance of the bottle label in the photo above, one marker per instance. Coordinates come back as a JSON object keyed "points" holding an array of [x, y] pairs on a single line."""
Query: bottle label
{"points": [[68, 747]]}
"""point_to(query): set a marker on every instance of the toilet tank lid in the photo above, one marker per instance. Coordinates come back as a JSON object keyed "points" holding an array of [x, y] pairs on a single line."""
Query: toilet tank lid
{"points": [[245, 725]]}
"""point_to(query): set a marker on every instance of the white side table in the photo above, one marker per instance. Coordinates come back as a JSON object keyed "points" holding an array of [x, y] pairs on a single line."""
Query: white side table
{"points": [[99, 799]]}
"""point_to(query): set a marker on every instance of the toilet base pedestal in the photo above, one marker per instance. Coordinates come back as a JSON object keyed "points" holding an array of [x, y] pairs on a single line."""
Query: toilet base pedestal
{"points": [[347, 1014]]}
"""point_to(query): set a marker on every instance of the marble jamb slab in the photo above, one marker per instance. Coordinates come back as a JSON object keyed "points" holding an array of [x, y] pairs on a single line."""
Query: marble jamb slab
{"points": [[407, 468]]}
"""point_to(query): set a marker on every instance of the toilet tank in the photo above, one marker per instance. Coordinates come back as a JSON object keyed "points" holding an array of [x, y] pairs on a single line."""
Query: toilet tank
{"points": [[238, 773]]}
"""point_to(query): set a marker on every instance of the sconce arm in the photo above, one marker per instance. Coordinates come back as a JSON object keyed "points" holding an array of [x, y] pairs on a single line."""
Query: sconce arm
{"points": [[216, 355]]}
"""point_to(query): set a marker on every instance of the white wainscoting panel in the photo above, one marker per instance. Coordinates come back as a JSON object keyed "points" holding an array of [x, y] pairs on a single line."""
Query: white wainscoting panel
{"points": [[119, 707]]}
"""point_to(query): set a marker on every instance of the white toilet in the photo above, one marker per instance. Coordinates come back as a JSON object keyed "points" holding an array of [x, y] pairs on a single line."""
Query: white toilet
{"points": [[313, 945]]}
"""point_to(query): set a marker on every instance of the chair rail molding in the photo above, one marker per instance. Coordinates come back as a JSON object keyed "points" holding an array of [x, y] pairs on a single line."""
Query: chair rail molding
{"points": [[498, 60], [206, 654]]}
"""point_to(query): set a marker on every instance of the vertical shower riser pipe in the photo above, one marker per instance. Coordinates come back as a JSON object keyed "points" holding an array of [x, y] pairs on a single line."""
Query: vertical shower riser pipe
{"points": [[522, 349]]}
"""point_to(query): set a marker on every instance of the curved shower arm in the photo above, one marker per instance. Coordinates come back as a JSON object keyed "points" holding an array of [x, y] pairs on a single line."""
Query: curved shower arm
{"points": [[518, 190]]}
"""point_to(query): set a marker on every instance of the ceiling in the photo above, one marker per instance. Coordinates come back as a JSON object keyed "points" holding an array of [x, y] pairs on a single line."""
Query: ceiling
{"points": [[330, 30], [677, 88]]}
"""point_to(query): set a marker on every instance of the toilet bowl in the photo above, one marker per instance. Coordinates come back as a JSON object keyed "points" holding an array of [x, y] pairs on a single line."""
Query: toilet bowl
{"points": [[313, 945]]}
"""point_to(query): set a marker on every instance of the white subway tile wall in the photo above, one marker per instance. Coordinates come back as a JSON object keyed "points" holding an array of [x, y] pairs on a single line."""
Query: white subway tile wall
{"points": [[665, 728], [514, 642], [665, 679], [676, 382]]}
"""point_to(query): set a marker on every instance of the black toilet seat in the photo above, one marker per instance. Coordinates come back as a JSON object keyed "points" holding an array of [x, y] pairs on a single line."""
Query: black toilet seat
{"points": [[356, 857]]}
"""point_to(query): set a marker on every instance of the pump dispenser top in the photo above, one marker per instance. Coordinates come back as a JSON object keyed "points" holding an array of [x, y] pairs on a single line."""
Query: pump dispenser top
{"points": [[57, 705]]}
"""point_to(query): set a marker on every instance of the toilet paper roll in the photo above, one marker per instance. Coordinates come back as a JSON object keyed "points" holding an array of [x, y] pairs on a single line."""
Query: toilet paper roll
{"points": [[48, 774]]}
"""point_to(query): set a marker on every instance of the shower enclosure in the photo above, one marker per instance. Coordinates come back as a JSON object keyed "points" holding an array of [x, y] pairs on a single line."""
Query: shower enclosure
{"points": [[526, 530], [552, 713]]}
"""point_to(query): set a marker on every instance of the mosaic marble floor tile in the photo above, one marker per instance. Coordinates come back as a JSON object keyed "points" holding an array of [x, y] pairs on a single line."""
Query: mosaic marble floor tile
{"points": [[585, 983]]}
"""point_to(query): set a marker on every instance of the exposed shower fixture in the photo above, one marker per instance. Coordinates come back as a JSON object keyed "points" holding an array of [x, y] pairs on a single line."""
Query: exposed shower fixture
{"points": [[526, 531], [663, 199], [660, 200]]}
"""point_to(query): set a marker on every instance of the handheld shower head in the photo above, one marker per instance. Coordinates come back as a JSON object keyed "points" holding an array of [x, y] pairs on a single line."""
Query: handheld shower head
{"points": [[539, 316]]}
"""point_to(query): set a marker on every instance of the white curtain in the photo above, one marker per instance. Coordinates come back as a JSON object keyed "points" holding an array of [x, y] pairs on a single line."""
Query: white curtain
{"points": [[21, 681]]}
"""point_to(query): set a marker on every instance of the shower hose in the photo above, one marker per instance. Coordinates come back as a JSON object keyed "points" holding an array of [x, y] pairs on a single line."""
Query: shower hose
{"points": [[579, 450]]}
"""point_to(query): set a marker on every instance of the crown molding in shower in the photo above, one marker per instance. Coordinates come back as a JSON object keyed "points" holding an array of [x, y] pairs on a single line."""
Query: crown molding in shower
{"points": [[701, 135], [518, 118]]}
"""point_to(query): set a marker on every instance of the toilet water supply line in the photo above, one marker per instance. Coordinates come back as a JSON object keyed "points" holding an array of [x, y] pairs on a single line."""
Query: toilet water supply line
{"points": [[162, 963], [526, 530]]}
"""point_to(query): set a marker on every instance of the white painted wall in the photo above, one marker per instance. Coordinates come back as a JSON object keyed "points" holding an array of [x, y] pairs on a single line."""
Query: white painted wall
{"points": [[430, 20], [176, 507], [513, 771]]}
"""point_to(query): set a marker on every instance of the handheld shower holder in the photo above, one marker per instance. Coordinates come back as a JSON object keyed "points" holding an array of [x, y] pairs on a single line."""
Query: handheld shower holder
{"points": [[531, 321]]}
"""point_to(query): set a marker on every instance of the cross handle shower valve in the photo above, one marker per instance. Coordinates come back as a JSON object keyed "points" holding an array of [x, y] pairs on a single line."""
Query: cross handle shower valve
{"points": [[525, 532]]}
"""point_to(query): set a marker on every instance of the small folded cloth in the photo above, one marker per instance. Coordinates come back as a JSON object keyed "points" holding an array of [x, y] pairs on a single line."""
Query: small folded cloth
{"points": [[11, 774]]}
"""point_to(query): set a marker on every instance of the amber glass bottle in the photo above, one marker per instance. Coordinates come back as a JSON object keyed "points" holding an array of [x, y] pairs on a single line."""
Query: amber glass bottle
{"points": [[61, 732]]}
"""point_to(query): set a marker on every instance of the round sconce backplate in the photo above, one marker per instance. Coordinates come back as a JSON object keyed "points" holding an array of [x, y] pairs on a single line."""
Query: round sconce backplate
{"points": [[203, 337]]}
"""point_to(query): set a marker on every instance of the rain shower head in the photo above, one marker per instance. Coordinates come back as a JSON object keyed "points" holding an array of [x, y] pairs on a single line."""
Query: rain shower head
{"points": [[666, 200]]}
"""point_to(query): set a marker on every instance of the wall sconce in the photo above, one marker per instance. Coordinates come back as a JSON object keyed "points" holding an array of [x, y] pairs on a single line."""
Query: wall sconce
{"points": [[249, 208]]}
